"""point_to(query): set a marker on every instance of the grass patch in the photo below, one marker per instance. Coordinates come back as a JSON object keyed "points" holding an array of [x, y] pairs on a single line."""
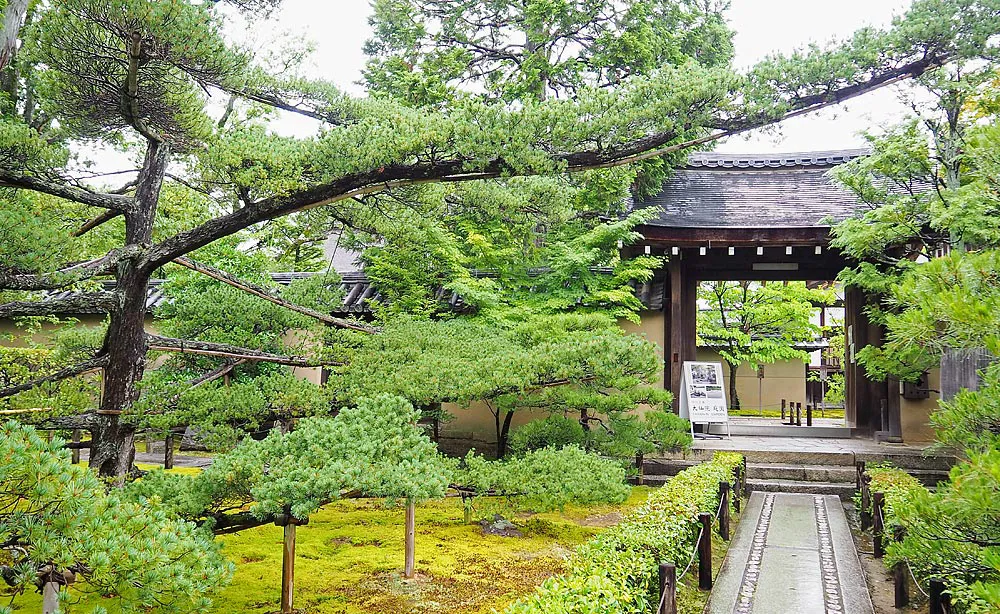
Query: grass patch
{"points": [[776, 413], [350, 556]]}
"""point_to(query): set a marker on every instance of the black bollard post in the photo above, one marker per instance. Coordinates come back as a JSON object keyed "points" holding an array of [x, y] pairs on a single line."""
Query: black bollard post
{"points": [[705, 553], [724, 510], [940, 602], [668, 589], [878, 524], [782, 411], [809, 415], [900, 594], [798, 414], [866, 502]]}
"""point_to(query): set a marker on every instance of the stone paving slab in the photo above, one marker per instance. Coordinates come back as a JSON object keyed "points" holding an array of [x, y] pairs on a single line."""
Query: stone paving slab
{"points": [[792, 553]]}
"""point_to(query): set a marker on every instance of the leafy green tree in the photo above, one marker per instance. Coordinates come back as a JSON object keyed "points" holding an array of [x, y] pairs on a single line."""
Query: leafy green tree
{"points": [[758, 323], [136, 74]]}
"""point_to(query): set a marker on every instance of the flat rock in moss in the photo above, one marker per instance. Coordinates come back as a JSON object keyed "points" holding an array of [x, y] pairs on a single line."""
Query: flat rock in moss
{"points": [[500, 526]]}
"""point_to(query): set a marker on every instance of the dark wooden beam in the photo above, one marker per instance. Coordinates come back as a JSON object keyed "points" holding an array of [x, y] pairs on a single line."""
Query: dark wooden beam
{"points": [[659, 236]]}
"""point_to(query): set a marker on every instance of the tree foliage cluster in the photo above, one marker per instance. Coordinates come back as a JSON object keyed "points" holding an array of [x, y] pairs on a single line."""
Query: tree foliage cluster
{"points": [[759, 323]]}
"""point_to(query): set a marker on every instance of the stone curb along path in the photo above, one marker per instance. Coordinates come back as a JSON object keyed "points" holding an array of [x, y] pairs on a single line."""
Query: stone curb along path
{"points": [[792, 553]]}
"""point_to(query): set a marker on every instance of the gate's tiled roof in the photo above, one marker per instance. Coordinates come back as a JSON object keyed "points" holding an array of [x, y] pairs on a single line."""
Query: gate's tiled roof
{"points": [[754, 191]]}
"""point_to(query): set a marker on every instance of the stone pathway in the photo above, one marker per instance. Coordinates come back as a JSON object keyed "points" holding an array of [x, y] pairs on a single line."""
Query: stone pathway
{"points": [[792, 553]]}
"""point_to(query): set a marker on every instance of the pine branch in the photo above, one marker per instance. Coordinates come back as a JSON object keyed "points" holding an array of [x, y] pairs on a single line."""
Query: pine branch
{"points": [[105, 265], [92, 364], [16, 179], [456, 170], [225, 350], [268, 295], [83, 302], [101, 219]]}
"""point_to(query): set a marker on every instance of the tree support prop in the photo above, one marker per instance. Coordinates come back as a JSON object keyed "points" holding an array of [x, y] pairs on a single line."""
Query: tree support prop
{"points": [[411, 514], [288, 522]]}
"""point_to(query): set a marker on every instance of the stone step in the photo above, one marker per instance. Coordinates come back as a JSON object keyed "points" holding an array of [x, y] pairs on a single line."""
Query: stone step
{"points": [[778, 430], [802, 473], [844, 490], [907, 459]]}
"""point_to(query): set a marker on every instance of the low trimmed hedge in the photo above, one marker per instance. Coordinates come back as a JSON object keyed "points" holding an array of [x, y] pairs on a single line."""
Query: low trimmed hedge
{"points": [[899, 487], [616, 572]]}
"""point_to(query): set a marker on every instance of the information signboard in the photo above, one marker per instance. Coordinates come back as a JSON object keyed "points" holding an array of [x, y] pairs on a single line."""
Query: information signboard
{"points": [[703, 394]]}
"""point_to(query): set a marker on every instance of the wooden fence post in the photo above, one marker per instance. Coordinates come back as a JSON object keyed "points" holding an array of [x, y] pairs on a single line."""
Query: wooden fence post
{"points": [[809, 415], [940, 602], [901, 596], [410, 538], [866, 502], [705, 553], [878, 524], [724, 510], [737, 488], [76, 450], [859, 467], [668, 589], [168, 450]]}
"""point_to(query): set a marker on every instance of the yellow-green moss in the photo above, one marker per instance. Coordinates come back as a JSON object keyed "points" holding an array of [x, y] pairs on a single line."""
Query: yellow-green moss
{"points": [[350, 555]]}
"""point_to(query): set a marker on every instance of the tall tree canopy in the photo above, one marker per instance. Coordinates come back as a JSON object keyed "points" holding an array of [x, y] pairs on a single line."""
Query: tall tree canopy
{"points": [[138, 75]]}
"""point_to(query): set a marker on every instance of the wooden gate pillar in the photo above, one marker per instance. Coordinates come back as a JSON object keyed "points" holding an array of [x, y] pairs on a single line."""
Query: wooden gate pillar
{"points": [[680, 332]]}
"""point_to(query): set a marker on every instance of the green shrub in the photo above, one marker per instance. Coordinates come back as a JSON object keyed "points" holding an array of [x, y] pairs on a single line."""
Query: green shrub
{"points": [[952, 533], [615, 573], [557, 431]]}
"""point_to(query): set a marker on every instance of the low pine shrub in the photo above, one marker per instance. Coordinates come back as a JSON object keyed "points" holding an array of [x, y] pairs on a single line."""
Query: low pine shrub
{"points": [[615, 573]]}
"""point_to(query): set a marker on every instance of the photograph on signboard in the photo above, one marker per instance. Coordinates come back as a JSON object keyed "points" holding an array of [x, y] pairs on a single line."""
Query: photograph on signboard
{"points": [[704, 374]]}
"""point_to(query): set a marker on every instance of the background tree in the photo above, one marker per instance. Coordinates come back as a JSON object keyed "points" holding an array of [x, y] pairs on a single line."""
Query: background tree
{"points": [[758, 323], [136, 74]]}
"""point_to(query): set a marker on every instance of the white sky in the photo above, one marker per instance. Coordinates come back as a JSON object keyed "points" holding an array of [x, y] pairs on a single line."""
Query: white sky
{"points": [[338, 28]]}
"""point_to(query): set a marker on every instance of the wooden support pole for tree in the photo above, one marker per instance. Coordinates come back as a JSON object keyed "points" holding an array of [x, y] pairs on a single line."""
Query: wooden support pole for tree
{"points": [[640, 470], [410, 538], [168, 451], [940, 602], [668, 589], [50, 598], [724, 510], [878, 524], [705, 552], [288, 523], [866, 502], [809, 415], [901, 596], [76, 451]]}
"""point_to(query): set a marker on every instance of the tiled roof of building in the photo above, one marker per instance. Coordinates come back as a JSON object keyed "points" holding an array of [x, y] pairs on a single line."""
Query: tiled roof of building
{"points": [[360, 294], [754, 191]]}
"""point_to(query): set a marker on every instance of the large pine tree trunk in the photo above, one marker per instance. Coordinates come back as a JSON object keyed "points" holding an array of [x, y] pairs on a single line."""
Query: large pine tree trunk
{"points": [[734, 399], [113, 449]]}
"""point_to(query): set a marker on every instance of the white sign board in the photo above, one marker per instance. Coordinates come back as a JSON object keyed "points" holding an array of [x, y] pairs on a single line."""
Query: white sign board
{"points": [[703, 393]]}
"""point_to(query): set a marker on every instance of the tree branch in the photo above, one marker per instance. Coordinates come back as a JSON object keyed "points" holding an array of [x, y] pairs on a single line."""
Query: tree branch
{"points": [[105, 265], [224, 350], [455, 170], [103, 218], [15, 179], [93, 364], [83, 302], [268, 295]]}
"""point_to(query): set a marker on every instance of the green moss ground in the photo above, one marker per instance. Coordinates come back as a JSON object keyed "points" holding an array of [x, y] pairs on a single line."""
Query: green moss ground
{"points": [[350, 556]]}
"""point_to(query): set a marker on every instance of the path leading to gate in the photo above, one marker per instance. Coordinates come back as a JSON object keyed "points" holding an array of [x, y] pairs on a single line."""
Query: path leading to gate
{"points": [[792, 553]]}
